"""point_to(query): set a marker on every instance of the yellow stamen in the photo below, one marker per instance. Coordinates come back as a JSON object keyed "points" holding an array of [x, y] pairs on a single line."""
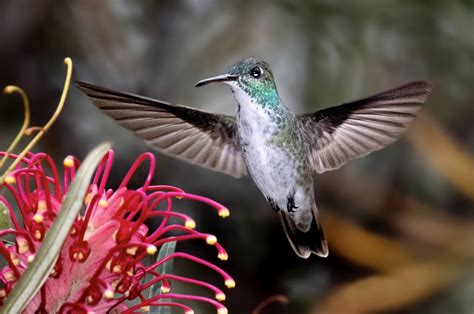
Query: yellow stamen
{"points": [[117, 269], [3, 293], [145, 308], [68, 162], [41, 206], [89, 299], [132, 250], [80, 256], [22, 245], [151, 249], [222, 310], [211, 240], [88, 198], [103, 203], [38, 218], [109, 294], [229, 283], [220, 297], [223, 256], [191, 224], [165, 289], [30, 258], [9, 180], [37, 234], [15, 259], [224, 212], [189, 312]]}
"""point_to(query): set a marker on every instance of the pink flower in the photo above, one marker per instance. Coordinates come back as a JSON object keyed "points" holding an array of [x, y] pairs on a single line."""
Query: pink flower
{"points": [[102, 262]]}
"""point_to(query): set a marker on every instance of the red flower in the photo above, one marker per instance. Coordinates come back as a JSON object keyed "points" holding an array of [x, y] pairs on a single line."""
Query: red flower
{"points": [[102, 262]]}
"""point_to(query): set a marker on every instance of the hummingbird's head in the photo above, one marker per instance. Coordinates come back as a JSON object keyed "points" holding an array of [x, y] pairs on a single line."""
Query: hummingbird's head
{"points": [[248, 78]]}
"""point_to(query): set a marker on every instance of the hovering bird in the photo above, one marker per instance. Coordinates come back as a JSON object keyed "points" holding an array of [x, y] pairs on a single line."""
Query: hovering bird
{"points": [[279, 149]]}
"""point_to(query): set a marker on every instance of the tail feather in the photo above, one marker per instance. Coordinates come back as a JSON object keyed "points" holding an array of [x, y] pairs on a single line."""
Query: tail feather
{"points": [[305, 243]]}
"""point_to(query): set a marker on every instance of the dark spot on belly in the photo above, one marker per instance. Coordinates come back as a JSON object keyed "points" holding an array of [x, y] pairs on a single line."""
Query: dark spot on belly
{"points": [[290, 204]]}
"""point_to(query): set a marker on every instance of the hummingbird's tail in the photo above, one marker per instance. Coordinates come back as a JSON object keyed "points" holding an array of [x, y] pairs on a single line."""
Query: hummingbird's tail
{"points": [[305, 243]]}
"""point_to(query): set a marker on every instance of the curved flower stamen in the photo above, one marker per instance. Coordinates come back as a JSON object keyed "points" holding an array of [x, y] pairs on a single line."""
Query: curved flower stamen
{"points": [[10, 89], [45, 128], [220, 308]]}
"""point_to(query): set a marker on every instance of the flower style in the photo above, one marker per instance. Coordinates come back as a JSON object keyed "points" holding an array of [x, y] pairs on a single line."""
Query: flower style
{"points": [[102, 264]]}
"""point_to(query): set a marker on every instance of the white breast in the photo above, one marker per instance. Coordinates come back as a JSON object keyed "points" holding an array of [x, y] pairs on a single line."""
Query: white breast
{"points": [[256, 126], [268, 164]]}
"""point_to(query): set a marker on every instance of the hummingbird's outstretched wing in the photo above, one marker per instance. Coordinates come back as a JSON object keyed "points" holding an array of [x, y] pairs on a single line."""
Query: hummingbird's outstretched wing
{"points": [[338, 134], [200, 137]]}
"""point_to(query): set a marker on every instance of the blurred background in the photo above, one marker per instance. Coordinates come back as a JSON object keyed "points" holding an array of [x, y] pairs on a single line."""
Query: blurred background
{"points": [[399, 222]]}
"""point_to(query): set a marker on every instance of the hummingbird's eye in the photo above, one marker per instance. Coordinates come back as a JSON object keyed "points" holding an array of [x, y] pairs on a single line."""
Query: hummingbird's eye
{"points": [[256, 72]]}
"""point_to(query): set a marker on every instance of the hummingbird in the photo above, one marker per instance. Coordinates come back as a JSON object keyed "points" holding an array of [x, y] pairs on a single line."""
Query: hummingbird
{"points": [[280, 150]]}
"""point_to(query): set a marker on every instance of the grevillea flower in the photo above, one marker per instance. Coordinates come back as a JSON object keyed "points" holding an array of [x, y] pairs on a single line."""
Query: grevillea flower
{"points": [[102, 264]]}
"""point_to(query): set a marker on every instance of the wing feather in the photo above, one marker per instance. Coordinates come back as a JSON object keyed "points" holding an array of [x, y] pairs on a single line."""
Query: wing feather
{"points": [[338, 134], [200, 137]]}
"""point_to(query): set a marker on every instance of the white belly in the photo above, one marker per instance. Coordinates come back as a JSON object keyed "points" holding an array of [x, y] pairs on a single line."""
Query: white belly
{"points": [[270, 166], [272, 171]]}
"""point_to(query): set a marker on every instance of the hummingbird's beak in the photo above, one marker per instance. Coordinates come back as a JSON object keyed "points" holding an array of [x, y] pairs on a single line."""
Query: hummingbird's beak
{"points": [[220, 78]]}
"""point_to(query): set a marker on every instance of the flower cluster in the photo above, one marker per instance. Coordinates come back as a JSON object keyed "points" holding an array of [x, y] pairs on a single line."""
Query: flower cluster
{"points": [[102, 264]]}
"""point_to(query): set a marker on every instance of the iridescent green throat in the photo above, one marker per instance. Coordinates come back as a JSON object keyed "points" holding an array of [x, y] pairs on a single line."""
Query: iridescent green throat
{"points": [[265, 94]]}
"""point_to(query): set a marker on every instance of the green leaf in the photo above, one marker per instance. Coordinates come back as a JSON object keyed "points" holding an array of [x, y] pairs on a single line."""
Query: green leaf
{"points": [[166, 268], [38, 271], [166, 249], [5, 221]]}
